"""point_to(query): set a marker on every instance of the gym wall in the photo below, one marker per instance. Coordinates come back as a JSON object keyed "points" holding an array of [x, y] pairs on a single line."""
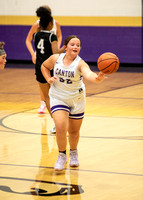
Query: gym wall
{"points": [[103, 26]]}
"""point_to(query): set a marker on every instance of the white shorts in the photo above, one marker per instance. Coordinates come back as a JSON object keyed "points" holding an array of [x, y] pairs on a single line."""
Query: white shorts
{"points": [[75, 106]]}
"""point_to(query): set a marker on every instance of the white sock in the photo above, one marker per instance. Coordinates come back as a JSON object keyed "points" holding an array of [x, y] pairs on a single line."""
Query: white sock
{"points": [[43, 103]]}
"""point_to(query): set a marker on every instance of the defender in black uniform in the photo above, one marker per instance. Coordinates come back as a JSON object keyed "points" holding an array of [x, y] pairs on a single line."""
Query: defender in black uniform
{"points": [[43, 44], [46, 44]]}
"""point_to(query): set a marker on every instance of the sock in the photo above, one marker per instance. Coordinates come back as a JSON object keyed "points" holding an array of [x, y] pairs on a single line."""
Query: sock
{"points": [[63, 152], [73, 149], [43, 103]]}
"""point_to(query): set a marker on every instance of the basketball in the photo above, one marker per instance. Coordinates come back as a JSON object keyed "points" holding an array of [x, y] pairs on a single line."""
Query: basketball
{"points": [[108, 63]]}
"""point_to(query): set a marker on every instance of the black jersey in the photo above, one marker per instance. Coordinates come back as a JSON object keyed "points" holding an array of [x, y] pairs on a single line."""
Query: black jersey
{"points": [[42, 42]]}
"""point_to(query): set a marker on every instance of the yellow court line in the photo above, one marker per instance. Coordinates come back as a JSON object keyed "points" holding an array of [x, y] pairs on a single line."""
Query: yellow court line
{"points": [[75, 20]]}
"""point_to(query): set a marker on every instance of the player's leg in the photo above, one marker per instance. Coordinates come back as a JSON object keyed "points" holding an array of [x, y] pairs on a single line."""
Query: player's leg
{"points": [[42, 107], [44, 91], [74, 133], [61, 122], [44, 88]]}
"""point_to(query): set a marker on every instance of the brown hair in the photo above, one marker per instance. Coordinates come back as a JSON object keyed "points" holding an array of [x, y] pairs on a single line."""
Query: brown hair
{"points": [[2, 51], [69, 38], [2, 44]]}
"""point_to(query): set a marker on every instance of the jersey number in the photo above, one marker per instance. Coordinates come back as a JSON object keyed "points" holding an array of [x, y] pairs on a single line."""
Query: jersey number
{"points": [[41, 46], [68, 81]]}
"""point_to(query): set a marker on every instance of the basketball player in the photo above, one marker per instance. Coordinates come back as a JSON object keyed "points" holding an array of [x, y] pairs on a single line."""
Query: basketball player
{"points": [[2, 56], [45, 44], [67, 97], [56, 29]]}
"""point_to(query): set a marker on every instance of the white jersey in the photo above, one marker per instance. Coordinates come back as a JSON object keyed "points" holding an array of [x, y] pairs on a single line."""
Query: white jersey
{"points": [[69, 82], [54, 29]]}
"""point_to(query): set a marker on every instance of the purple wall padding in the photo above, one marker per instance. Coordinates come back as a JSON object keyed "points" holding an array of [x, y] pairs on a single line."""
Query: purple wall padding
{"points": [[125, 42], [14, 37]]}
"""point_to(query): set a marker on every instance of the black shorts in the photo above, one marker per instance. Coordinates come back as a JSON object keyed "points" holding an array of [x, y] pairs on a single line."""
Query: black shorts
{"points": [[39, 76]]}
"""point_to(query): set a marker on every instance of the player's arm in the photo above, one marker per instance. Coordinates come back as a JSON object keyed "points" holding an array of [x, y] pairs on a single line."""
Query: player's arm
{"points": [[59, 34], [55, 48], [48, 65], [90, 75], [29, 41]]}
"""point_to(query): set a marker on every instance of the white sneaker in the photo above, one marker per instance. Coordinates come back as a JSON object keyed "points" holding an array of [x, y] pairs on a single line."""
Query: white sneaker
{"points": [[53, 130], [74, 158], [61, 161]]}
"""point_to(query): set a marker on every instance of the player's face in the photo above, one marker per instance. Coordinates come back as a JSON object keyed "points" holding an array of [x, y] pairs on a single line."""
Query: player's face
{"points": [[74, 46], [2, 61]]}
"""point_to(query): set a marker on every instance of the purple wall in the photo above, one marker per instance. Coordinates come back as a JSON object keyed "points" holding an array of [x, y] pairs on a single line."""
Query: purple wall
{"points": [[125, 42]]}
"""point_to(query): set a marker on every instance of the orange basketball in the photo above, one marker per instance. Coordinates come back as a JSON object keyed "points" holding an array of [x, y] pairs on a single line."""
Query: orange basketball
{"points": [[108, 63]]}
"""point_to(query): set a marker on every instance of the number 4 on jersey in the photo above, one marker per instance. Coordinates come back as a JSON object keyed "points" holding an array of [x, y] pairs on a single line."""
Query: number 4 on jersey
{"points": [[41, 46]]}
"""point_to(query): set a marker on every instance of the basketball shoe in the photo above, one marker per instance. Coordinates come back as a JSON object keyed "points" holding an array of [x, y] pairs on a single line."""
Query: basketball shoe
{"points": [[53, 130], [42, 108], [61, 161], [74, 158]]}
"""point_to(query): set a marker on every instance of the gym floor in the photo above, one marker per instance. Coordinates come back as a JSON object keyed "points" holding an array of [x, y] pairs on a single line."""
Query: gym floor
{"points": [[110, 146]]}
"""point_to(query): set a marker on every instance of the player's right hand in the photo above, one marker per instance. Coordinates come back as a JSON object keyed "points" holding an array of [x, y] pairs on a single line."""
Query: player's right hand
{"points": [[52, 79]]}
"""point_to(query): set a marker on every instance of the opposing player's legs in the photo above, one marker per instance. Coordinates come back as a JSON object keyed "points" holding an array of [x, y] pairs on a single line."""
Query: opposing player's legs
{"points": [[42, 108], [44, 92]]}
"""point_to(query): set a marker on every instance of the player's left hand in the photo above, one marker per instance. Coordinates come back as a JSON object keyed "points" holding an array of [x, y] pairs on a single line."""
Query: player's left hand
{"points": [[101, 76]]}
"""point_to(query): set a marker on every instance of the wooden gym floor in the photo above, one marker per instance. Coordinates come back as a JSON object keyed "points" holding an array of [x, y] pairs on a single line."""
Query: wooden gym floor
{"points": [[110, 146]]}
